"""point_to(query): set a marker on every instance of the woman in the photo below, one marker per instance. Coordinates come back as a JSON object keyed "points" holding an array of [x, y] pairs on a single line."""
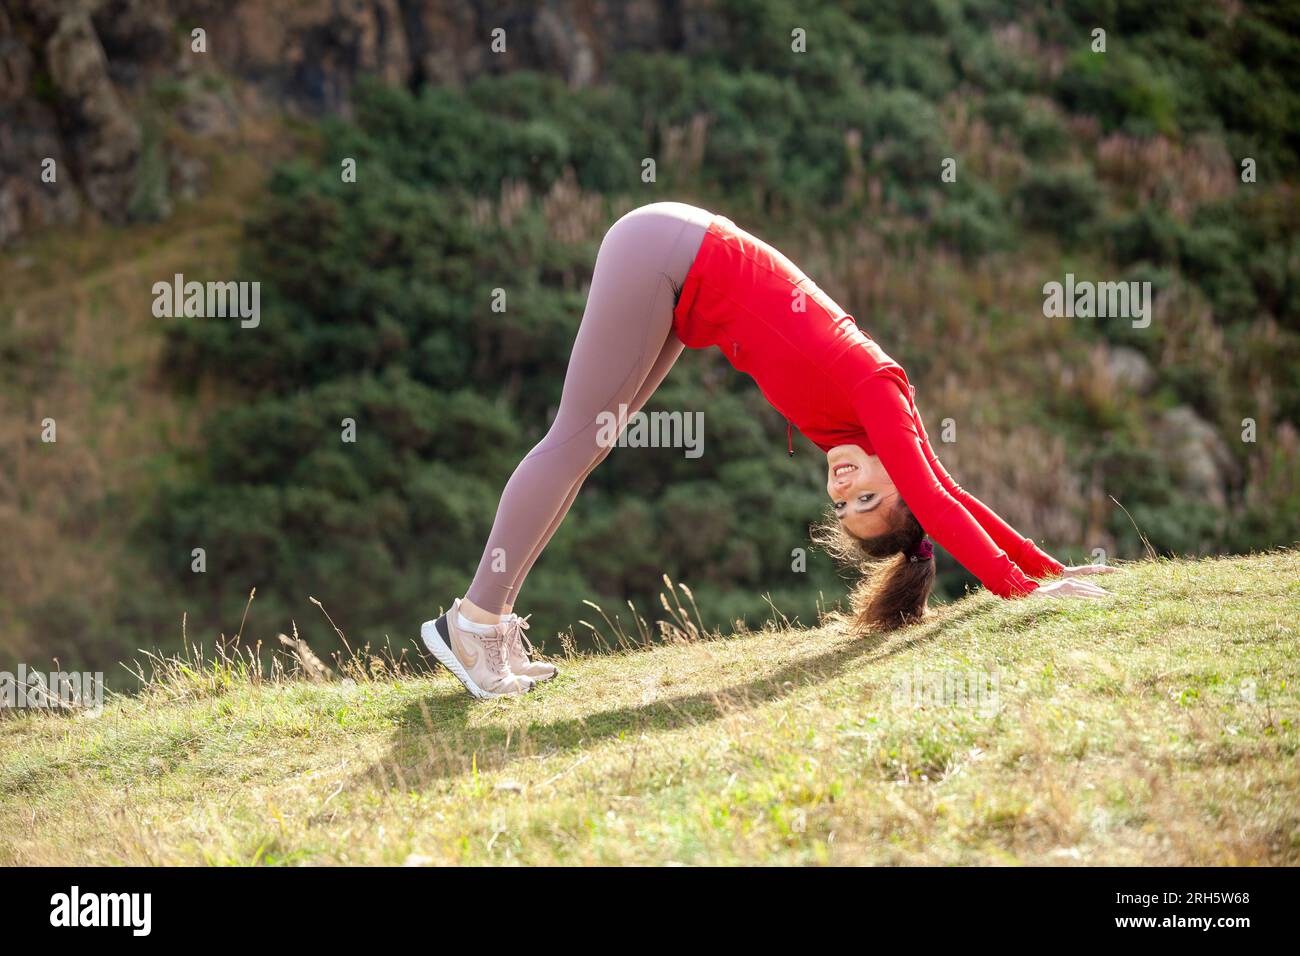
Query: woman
{"points": [[669, 276]]}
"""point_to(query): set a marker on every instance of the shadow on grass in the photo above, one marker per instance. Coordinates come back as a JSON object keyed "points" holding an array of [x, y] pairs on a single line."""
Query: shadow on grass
{"points": [[433, 742]]}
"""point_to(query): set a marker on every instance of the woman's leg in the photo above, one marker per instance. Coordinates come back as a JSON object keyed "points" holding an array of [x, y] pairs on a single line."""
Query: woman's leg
{"points": [[672, 348], [625, 326]]}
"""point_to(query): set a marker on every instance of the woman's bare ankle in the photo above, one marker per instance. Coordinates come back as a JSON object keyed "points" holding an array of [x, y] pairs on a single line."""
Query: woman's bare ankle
{"points": [[476, 614]]}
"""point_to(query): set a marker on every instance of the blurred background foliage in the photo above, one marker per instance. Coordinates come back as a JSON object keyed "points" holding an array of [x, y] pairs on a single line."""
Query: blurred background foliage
{"points": [[377, 295]]}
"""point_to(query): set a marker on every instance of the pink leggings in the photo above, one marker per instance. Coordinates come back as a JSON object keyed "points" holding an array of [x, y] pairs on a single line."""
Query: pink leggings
{"points": [[625, 347]]}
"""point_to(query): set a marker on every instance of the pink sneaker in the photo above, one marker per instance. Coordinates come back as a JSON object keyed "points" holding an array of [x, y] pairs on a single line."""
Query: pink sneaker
{"points": [[519, 650], [477, 660]]}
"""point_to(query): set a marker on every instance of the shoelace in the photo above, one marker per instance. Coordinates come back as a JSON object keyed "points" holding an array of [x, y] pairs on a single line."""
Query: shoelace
{"points": [[516, 639], [493, 647]]}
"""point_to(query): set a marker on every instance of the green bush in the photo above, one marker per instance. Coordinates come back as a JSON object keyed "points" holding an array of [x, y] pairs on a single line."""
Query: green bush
{"points": [[973, 221], [1147, 235], [1123, 90], [1041, 133], [1066, 200]]}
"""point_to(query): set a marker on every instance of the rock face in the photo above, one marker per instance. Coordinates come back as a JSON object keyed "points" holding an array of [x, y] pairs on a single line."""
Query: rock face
{"points": [[1130, 370], [76, 76], [29, 134], [103, 139], [1199, 458]]}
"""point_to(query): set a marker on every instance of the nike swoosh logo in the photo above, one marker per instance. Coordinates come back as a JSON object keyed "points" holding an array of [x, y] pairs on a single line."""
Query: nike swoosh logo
{"points": [[464, 653]]}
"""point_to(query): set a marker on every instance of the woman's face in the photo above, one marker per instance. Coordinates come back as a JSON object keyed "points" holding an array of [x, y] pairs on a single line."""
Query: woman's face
{"points": [[861, 491]]}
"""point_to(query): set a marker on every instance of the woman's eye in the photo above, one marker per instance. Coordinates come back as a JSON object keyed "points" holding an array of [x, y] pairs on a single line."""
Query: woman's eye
{"points": [[867, 498]]}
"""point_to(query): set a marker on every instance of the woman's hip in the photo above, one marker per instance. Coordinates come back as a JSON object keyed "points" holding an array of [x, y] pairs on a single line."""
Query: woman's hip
{"points": [[664, 236]]}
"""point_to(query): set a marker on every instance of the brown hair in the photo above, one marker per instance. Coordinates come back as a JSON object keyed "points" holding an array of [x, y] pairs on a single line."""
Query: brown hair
{"points": [[894, 589]]}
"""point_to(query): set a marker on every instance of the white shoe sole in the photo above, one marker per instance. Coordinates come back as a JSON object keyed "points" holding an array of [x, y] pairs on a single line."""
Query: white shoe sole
{"points": [[436, 640]]}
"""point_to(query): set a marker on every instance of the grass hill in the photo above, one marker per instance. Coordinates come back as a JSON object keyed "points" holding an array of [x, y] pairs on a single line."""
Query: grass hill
{"points": [[1157, 727]]}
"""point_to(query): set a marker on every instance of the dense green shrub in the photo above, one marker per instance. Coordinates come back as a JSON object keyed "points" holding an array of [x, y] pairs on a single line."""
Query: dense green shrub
{"points": [[1123, 90], [973, 220], [1146, 235], [1041, 133], [1066, 201]]}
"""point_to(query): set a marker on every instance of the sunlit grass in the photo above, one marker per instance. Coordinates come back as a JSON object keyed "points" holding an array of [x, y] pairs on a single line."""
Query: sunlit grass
{"points": [[1158, 727]]}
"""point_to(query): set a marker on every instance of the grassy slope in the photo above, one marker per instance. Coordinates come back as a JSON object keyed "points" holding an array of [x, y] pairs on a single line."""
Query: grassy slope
{"points": [[1123, 736], [88, 348]]}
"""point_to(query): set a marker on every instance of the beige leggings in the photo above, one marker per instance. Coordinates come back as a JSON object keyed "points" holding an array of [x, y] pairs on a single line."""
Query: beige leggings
{"points": [[625, 347]]}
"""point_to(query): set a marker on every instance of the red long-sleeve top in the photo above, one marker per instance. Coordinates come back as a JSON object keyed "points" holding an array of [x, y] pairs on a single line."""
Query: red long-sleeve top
{"points": [[837, 386]]}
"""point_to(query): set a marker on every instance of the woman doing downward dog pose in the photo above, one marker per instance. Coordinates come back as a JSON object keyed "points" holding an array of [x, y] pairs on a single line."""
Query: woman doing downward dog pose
{"points": [[669, 276]]}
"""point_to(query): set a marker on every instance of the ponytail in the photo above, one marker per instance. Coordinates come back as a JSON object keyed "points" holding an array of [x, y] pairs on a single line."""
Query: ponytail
{"points": [[897, 571]]}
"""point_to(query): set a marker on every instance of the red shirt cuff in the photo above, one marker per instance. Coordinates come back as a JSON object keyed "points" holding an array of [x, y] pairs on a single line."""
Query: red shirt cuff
{"points": [[1038, 563], [1015, 585]]}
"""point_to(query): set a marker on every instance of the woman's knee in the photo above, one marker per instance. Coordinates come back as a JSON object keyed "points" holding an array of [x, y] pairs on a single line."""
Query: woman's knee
{"points": [[573, 451]]}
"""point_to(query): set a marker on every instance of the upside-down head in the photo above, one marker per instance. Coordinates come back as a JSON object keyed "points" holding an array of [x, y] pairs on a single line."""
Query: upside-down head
{"points": [[873, 530]]}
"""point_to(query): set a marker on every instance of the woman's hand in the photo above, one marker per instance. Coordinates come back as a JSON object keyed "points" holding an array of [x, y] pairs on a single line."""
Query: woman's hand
{"points": [[1082, 570], [1070, 588]]}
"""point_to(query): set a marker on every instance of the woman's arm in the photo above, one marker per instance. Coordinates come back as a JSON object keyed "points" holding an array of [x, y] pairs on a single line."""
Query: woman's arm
{"points": [[892, 428], [1032, 560]]}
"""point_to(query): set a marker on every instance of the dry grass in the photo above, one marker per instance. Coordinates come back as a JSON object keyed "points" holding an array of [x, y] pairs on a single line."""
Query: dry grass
{"points": [[76, 314], [1159, 727]]}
